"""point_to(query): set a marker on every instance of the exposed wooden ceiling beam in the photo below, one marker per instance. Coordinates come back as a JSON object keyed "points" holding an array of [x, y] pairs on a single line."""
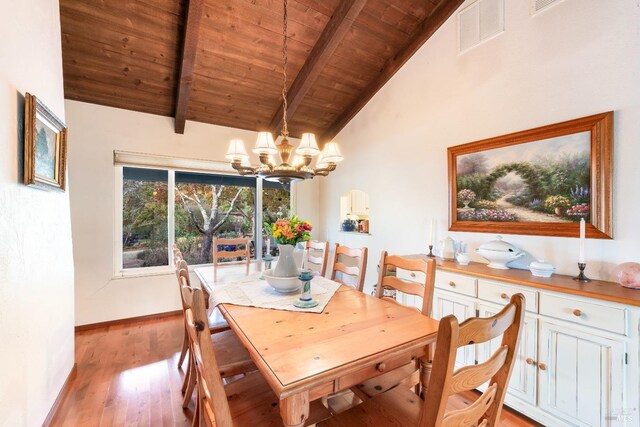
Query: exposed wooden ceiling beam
{"points": [[335, 30], [189, 50], [427, 28]]}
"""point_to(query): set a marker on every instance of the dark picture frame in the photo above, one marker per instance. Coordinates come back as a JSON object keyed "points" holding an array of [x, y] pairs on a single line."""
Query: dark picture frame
{"points": [[546, 212], [45, 146]]}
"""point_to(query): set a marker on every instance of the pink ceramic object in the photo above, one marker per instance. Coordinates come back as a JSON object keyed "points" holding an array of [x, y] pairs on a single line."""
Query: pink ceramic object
{"points": [[628, 274]]}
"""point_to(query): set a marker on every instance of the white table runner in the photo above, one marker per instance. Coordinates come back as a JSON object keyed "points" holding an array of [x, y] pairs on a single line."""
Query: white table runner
{"points": [[255, 292]]}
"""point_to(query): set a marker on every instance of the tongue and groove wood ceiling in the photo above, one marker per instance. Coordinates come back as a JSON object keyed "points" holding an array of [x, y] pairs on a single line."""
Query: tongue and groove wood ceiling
{"points": [[220, 61]]}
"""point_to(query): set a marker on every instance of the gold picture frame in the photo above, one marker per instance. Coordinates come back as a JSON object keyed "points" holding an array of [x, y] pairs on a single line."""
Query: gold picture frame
{"points": [[45, 146], [511, 153]]}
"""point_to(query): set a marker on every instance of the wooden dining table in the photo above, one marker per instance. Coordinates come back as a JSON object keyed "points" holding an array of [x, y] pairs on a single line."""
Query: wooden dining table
{"points": [[306, 356]]}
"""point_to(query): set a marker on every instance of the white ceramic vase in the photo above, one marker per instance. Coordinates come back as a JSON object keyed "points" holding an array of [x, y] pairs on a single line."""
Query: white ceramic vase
{"points": [[286, 265]]}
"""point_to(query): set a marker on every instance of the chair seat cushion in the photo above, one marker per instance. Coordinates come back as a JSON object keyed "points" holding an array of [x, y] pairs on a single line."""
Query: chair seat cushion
{"points": [[398, 407], [253, 403], [232, 357]]}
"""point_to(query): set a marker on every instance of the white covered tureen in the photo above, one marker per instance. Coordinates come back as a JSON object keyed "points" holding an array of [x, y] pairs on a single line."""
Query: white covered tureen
{"points": [[499, 253]]}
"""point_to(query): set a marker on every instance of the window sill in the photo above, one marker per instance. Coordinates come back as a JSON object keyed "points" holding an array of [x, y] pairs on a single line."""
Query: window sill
{"points": [[143, 272], [133, 273]]}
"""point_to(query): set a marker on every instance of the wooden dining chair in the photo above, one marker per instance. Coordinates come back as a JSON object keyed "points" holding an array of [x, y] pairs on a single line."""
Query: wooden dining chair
{"points": [[355, 273], [219, 253], [233, 358], [400, 406], [216, 320], [216, 324], [408, 375], [317, 254], [242, 402]]}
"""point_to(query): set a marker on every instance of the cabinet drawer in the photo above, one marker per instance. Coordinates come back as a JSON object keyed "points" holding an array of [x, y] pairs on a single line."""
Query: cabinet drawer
{"points": [[456, 283], [414, 276], [500, 294], [373, 370], [594, 315]]}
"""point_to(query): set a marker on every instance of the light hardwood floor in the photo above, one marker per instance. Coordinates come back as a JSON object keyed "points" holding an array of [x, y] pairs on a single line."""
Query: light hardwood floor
{"points": [[127, 376]]}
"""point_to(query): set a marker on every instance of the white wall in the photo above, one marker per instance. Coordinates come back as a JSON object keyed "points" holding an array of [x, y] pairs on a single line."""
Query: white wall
{"points": [[95, 132], [578, 58], [36, 265]]}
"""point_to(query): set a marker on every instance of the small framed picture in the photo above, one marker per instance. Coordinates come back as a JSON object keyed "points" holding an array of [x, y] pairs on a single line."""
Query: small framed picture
{"points": [[45, 146]]}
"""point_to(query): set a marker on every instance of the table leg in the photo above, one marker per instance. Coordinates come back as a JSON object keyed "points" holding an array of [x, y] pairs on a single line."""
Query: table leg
{"points": [[295, 409], [426, 366]]}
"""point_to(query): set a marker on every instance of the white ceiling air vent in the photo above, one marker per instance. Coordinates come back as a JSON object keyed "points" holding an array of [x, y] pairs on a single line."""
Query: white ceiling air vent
{"points": [[538, 5], [479, 22]]}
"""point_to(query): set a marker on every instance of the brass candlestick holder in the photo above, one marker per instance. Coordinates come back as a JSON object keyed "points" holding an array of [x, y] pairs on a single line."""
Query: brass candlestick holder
{"points": [[581, 276]]}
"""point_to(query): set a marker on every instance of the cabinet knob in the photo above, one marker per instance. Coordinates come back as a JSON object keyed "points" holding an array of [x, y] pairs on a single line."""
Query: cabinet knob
{"points": [[530, 361], [452, 284], [504, 296], [577, 312], [542, 366], [380, 367], [413, 274]]}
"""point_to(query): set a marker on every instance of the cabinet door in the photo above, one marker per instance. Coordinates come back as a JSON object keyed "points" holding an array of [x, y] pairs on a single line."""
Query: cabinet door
{"points": [[445, 303], [522, 383], [359, 202], [581, 375]]}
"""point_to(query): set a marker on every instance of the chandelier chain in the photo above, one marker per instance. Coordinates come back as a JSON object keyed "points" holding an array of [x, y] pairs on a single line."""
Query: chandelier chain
{"points": [[285, 129], [284, 172]]}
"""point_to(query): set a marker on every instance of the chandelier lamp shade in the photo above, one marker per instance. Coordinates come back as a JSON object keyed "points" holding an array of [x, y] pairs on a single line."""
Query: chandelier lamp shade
{"points": [[293, 167]]}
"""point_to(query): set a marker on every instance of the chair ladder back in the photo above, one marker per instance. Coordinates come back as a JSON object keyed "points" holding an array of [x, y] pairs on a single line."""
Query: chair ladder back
{"points": [[358, 272], [182, 265], [476, 329], [183, 280], [175, 250], [315, 258], [238, 253], [210, 386], [444, 381], [182, 271], [424, 290]]}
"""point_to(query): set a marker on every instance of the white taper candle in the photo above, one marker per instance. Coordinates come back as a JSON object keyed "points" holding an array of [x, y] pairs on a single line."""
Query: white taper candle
{"points": [[582, 238]]}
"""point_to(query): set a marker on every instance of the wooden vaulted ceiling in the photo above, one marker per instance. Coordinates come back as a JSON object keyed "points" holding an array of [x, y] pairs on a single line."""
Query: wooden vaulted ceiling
{"points": [[220, 61]]}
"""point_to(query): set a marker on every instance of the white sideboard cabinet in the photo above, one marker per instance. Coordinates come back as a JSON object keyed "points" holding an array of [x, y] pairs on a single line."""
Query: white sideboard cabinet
{"points": [[577, 364]]}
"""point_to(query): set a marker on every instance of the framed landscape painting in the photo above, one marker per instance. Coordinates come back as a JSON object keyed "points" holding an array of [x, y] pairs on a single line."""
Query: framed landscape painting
{"points": [[540, 181], [45, 146]]}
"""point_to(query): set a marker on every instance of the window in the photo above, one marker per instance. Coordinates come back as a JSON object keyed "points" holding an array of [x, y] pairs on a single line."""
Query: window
{"points": [[144, 218], [276, 204], [208, 206], [160, 207]]}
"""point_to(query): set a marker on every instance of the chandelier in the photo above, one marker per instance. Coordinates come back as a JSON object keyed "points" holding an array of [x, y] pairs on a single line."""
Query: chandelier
{"points": [[292, 168]]}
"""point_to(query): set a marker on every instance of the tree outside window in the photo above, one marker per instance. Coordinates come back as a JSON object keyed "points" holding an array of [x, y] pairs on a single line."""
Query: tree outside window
{"points": [[144, 218]]}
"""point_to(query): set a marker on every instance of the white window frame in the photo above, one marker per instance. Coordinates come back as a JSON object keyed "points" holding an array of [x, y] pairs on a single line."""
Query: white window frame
{"points": [[118, 271]]}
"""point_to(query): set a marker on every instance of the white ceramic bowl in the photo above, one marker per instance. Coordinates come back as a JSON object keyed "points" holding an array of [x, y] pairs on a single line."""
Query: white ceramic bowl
{"points": [[283, 285], [541, 268], [541, 273]]}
